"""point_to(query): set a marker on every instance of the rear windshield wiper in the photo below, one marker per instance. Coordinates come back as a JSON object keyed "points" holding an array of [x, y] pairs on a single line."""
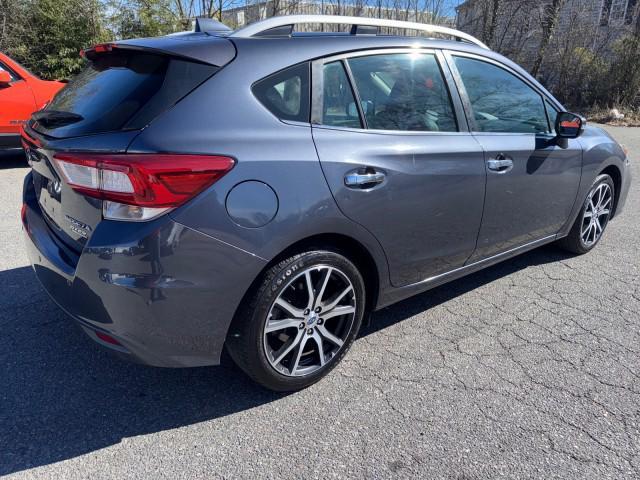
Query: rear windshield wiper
{"points": [[56, 118]]}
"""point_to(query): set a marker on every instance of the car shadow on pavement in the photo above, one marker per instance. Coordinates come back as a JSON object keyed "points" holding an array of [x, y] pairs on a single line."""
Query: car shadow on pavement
{"points": [[432, 298], [61, 396]]}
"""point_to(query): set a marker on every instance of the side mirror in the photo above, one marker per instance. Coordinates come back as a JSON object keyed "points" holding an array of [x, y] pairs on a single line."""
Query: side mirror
{"points": [[569, 125], [5, 78]]}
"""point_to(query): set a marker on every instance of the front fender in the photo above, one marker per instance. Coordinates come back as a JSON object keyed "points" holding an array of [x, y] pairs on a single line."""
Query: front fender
{"points": [[600, 151]]}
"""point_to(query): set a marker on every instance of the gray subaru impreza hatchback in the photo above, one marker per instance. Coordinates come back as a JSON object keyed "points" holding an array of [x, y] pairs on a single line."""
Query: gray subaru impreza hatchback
{"points": [[262, 191]]}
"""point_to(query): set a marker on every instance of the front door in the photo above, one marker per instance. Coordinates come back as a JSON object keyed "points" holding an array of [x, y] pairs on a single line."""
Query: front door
{"points": [[532, 178], [396, 160]]}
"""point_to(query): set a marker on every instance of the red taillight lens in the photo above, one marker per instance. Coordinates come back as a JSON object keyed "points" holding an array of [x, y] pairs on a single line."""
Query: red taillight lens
{"points": [[138, 187], [145, 180]]}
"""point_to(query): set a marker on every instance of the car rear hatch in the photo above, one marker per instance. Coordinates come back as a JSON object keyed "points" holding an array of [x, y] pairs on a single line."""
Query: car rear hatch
{"points": [[96, 116]]}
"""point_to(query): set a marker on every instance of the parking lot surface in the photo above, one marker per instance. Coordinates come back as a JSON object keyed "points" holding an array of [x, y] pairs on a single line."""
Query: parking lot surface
{"points": [[530, 369]]}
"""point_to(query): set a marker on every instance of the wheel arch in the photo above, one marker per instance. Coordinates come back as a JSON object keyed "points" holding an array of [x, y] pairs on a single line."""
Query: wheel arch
{"points": [[614, 172], [351, 248]]}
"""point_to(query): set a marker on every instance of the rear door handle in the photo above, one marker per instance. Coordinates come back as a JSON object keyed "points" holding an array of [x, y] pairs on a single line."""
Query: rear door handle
{"points": [[500, 164], [364, 179]]}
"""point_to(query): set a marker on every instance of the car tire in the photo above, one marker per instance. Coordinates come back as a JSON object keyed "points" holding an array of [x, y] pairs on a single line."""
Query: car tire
{"points": [[280, 339], [586, 232]]}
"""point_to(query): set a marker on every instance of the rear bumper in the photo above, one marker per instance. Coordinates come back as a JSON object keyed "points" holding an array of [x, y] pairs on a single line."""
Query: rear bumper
{"points": [[166, 293]]}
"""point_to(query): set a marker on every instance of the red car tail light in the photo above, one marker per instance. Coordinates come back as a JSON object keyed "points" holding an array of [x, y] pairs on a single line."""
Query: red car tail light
{"points": [[141, 186]]}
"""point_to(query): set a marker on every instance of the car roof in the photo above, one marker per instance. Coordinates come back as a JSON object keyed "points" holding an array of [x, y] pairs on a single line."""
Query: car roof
{"points": [[267, 55], [280, 52]]}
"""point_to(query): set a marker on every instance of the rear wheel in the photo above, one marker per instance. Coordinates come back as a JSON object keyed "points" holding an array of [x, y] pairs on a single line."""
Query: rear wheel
{"points": [[593, 218], [301, 320]]}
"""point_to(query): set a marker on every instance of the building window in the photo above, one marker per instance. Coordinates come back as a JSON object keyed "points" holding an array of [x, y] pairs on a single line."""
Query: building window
{"points": [[614, 12], [631, 8]]}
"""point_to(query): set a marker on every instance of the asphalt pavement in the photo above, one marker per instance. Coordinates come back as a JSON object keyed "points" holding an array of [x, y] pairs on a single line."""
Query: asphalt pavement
{"points": [[529, 369]]}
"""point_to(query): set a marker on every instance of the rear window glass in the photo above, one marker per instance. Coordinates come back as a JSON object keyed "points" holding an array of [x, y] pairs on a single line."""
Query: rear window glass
{"points": [[286, 93], [120, 91]]}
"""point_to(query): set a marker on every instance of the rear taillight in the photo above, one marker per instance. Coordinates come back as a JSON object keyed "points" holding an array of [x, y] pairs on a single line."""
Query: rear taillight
{"points": [[141, 186]]}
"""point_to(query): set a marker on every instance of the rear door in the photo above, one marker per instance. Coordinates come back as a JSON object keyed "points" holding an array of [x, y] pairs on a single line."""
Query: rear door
{"points": [[532, 178], [399, 160]]}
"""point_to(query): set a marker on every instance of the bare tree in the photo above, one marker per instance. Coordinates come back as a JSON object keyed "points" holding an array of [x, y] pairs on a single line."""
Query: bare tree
{"points": [[549, 23]]}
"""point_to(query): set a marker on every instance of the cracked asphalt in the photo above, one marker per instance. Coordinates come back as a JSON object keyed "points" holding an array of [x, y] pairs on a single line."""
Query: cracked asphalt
{"points": [[529, 369]]}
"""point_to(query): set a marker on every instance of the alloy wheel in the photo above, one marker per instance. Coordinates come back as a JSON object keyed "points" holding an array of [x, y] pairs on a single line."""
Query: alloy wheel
{"points": [[310, 320], [596, 214]]}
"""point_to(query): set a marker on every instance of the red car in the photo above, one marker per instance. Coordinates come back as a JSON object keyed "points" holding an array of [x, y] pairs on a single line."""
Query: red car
{"points": [[21, 94]]}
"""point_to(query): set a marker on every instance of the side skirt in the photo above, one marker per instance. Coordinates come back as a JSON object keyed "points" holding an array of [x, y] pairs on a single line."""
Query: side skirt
{"points": [[397, 294]]}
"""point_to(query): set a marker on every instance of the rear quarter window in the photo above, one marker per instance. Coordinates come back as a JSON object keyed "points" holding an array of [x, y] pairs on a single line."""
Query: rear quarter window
{"points": [[286, 93], [122, 90]]}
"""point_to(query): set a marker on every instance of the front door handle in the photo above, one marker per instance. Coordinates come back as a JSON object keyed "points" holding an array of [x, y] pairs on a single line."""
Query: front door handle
{"points": [[366, 178], [500, 164]]}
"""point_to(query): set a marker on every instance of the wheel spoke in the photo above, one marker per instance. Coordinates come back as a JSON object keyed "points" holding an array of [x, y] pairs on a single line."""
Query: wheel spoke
{"points": [[586, 234], [598, 227], [275, 325], [330, 336], [298, 354], [318, 340], [310, 292], [598, 194], [336, 312], [290, 309], [604, 193], [284, 351], [325, 281], [338, 298], [588, 214], [604, 212]]}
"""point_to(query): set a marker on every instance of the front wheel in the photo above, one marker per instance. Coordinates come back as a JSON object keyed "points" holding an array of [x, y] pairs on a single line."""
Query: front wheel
{"points": [[301, 320], [593, 218]]}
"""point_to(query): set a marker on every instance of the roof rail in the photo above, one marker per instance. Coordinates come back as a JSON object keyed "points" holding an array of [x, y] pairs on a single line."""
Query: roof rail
{"points": [[283, 26]]}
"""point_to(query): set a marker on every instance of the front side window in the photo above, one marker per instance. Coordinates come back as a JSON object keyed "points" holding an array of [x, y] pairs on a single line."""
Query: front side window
{"points": [[403, 91], [500, 101], [286, 93]]}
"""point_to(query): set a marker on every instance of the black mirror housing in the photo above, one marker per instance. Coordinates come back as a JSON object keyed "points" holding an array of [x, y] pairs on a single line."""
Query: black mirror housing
{"points": [[569, 125]]}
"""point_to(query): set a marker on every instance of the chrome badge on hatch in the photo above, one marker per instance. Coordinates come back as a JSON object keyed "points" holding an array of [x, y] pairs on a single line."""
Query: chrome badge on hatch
{"points": [[78, 227]]}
